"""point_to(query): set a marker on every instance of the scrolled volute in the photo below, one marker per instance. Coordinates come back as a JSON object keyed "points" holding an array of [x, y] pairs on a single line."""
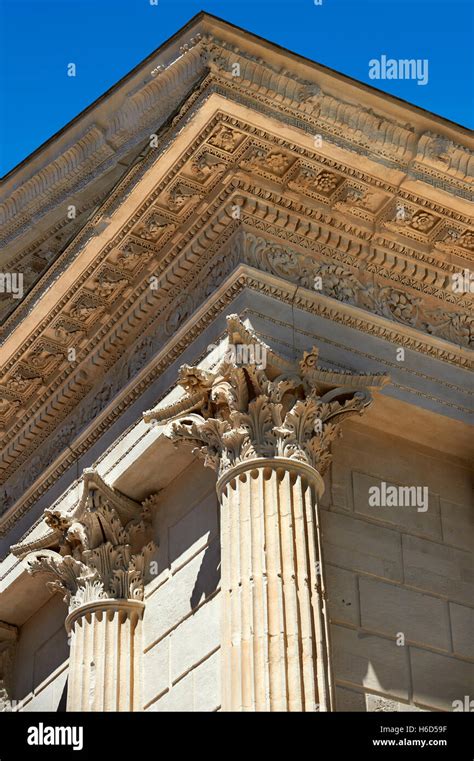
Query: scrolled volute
{"points": [[242, 412]]}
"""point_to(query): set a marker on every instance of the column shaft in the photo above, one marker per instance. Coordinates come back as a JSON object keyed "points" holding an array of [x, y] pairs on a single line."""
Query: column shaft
{"points": [[104, 659], [274, 635]]}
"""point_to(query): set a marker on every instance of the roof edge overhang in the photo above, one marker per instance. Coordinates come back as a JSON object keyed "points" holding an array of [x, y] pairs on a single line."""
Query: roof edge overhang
{"points": [[206, 23]]}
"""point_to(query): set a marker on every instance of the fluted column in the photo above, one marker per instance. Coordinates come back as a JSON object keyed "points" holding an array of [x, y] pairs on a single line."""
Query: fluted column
{"points": [[8, 642], [97, 555], [267, 430], [104, 661], [273, 612]]}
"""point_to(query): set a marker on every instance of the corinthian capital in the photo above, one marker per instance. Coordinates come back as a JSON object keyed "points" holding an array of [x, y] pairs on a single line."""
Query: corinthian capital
{"points": [[274, 409], [95, 549]]}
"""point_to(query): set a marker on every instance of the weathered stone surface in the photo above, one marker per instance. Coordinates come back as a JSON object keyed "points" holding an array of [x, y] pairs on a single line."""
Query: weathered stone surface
{"points": [[207, 684], [181, 593], [199, 524], [361, 546], [393, 610], [462, 627], [438, 568], [405, 518], [178, 698], [196, 638], [458, 524], [370, 661], [343, 599], [51, 697], [156, 670], [438, 679], [350, 700]]}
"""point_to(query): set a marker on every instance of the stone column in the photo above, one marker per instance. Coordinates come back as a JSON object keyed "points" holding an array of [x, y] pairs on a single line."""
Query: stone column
{"points": [[8, 642], [267, 430], [99, 562], [274, 615], [104, 664]]}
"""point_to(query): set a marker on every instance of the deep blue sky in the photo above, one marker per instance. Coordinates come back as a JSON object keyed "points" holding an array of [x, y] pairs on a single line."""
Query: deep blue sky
{"points": [[107, 38]]}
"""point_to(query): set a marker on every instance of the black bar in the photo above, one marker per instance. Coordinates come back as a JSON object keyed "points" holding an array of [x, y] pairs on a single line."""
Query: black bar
{"points": [[319, 736]]}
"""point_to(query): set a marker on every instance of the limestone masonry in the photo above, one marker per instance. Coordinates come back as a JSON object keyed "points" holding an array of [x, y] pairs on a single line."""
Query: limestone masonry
{"points": [[235, 396]]}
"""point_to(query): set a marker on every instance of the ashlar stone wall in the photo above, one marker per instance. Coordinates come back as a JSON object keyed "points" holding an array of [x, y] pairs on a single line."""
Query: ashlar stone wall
{"points": [[399, 575], [182, 618]]}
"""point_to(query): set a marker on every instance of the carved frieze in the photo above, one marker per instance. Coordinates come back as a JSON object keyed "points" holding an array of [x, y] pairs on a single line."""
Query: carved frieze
{"points": [[86, 307], [226, 138], [204, 167], [276, 88], [179, 301], [66, 330], [359, 200], [346, 216], [408, 220], [153, 227], [343, 284], [145, 349], [269, 163], [45, 357], [315, 183]]}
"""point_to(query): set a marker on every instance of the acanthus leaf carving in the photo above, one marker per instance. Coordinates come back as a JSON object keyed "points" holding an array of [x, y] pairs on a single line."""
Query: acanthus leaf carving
{"points": [[243, 412], [339, 282], [97, 550]]}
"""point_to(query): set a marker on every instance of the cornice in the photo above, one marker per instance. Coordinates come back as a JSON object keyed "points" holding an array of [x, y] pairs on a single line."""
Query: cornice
{"points": [[85, 154], [193, 324], [366, 228], [314, 208], [300, 271], [174, 242], [197, 55], [108, 134]]}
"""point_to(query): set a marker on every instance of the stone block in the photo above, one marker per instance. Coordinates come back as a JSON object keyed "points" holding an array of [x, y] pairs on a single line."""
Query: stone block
{"points": [[391, 609], [349, 700], [462, 627], [458, 524], [407, 519], [361, 546], [195, 638], [178, 698], [437, 568], [367, 660], [192, 532], [439, 679], [181, 593], [343, 599], [207, 684], [156, 677]]}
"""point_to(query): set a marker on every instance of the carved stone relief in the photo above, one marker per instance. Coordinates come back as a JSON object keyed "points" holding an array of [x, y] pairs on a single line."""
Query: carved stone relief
{"points": [[237, 413], [97, 550]]}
